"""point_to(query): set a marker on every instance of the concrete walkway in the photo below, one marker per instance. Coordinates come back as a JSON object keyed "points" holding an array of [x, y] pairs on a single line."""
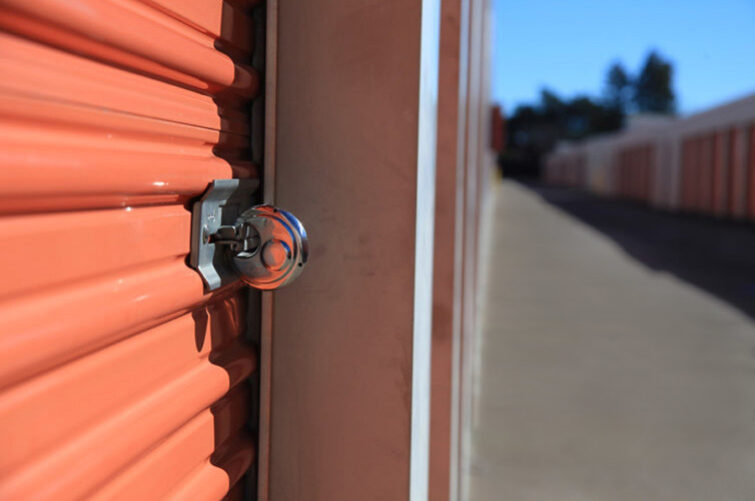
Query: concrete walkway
{"points": [[600, 379]]}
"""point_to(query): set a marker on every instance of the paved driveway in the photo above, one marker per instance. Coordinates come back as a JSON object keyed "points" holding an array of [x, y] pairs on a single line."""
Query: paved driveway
{"points": [[601, 377]]}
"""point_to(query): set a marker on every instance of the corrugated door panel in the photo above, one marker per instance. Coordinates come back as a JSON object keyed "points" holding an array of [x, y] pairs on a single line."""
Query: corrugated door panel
{"points": [[119, 377], [710, 173], [683, 178], [636, 173], [692, 177], [733, 185], [635, 156], [719, 191], [694, 161], [750, 167], [704, 175], [642, 178], [650, 169], [698, 176], [132, 35]]}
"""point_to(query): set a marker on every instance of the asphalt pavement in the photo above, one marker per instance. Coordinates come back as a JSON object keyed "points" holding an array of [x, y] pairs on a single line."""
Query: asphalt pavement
{"points": [[616, 358]]}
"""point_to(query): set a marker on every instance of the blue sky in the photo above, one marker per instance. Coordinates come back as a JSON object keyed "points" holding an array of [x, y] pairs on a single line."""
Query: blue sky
{"points": [[567, 46]]}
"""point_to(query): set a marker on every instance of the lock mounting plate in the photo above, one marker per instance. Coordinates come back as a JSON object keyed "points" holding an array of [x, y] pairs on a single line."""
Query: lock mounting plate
{"points": [[220, 205]]}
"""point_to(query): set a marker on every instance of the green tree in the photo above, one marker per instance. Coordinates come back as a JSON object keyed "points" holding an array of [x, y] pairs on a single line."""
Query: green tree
{"points": [[653, 90], [533, 130], [550, 102], [618, 87]]}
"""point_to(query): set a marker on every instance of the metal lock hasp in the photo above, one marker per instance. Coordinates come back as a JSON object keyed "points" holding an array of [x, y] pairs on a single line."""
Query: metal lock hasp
{"points": [[262, 245]]}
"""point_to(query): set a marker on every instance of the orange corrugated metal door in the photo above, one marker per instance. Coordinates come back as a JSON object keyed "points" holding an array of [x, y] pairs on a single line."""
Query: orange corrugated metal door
{"points": [[750, 170], [119, 377], [686, 175]]}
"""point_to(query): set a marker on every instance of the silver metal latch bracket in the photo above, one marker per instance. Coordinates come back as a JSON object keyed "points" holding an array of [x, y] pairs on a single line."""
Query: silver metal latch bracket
{"points": [[221, 205]]}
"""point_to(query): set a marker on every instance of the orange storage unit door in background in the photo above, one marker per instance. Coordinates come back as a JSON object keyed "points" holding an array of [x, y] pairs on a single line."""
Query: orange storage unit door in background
{"points": [[119, 377], [750, 172]]}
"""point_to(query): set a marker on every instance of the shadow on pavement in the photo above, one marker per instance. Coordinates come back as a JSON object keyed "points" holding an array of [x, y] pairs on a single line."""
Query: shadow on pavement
{"points": [[715, 255]]}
